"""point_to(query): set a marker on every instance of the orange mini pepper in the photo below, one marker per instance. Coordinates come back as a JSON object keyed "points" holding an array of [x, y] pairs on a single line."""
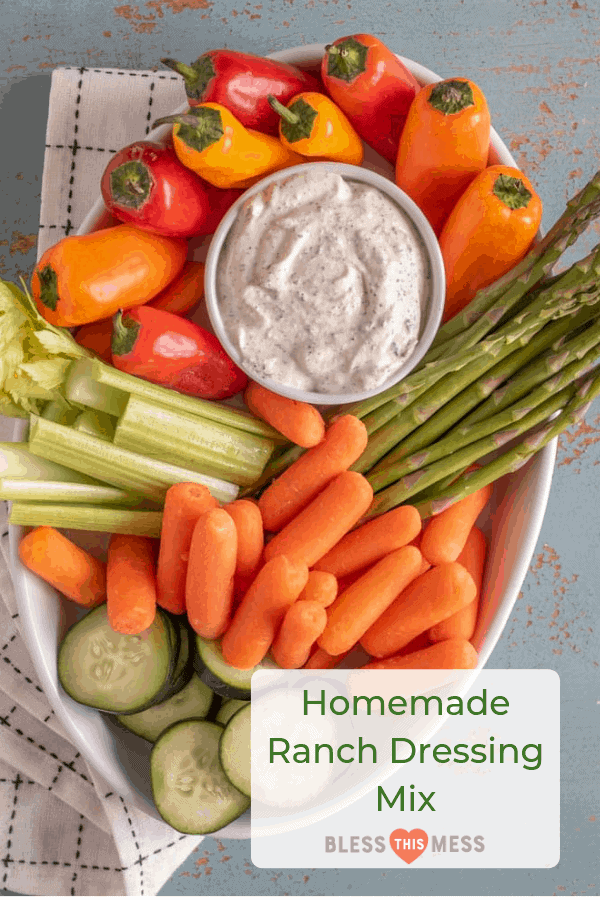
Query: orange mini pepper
{"points": [[88, 277], [489, 231], [443, 146], [313, 125], [211, 142]]}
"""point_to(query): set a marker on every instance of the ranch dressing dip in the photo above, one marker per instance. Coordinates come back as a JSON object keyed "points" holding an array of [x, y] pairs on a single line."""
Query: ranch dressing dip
{"points": [[322, 283]]}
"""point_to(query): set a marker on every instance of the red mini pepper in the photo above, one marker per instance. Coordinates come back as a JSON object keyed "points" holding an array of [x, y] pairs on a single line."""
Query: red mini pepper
{"points": [[242, 82], [145, 185], [169, 350], [370, 84]]}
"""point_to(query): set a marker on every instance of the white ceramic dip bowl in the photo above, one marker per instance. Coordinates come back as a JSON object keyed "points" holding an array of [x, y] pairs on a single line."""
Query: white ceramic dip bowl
{"points": [[434, 288]]}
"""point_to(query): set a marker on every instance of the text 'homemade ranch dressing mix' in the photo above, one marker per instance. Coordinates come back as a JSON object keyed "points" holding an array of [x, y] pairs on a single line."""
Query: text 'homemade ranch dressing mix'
{"points": [[322, 284]]}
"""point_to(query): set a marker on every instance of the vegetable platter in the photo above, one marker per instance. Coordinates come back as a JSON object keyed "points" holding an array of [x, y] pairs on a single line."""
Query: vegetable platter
{"points": [[511, 523]]}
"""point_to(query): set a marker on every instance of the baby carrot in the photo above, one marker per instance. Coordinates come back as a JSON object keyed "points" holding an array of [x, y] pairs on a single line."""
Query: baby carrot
{"points": [[256, 620], [344, 441], [372, 541], [302, 624], [250, 537], [320, 659], [462, 623], [446, 534], [130, 583], [321, 587], [300, 422], [72, 571], [318, 528], [431, 598], [363, 603], [452, 654], [211, 567], [184, 504]]}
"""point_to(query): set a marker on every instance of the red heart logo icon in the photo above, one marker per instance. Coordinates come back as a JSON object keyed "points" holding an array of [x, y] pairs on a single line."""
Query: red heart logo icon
{"points": [[408, 845]]}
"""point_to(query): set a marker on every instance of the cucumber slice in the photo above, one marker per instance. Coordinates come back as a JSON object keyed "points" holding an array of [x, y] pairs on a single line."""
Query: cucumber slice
{"points": [[118, 673], [222, 678], [189, 787], [229, 709], [234, 750], [193, 701]]}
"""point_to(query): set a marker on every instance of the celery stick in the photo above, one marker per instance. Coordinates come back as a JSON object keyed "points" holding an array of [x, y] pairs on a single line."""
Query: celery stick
{"points": [[111, 378], [16, 489], [121, 468], [82, 388], [16, 461], [177, 438], [60, 411], [98, 424], [87, 518]]}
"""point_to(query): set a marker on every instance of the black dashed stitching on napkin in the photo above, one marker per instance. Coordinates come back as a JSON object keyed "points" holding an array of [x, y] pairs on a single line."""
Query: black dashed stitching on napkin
{"points": [[140, 860], [41, 747], [74, 150], [9, 641], [149, 114], [7, 859], [79, 147], [18, 671]]}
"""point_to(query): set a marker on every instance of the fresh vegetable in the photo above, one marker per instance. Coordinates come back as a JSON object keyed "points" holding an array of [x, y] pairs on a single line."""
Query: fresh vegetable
{"points": [[87, 277], [256, 620], [462, 623], [167, 349], [301, 626], [130, 583], [145, 185], [192, 702], [234, 750], [311, 124], [370, 84], [183, 440], [210, 141], [361, 605], [211, 567], [72, 571], [321, 524], [430, 598], [35, 355], [451, 654], [225, 679], [34, 491], [130, 471], [184, 504], [300, 422], [72, 515], [320, 659], [242, 82], [372, 541], [16, 461], [321, 587], [228, 710], [444, 145], [117, 673], [297, 486], [250, 537], [446, 534], [179, 297], [490, 229], [189, 787]]}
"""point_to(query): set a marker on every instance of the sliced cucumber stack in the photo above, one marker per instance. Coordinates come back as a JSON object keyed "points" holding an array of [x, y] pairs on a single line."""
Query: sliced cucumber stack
{"points": [[234, 750], [222, 678], [190, 789], [229, 709], [193, 701], [118, 673]]}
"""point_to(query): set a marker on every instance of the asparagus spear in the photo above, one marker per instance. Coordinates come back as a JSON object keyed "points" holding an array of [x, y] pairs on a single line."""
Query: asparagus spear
{"points": [[515, 458], [507, 462], [464, 435], [450, 402]]}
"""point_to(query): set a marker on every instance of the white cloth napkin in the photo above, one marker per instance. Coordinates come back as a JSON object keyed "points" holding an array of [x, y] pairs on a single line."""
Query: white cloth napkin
{"points": [[62, 830]]}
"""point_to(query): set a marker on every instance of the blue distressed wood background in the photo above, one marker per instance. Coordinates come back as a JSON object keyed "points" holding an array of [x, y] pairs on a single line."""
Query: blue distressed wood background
{"points": [[538, 64]]}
